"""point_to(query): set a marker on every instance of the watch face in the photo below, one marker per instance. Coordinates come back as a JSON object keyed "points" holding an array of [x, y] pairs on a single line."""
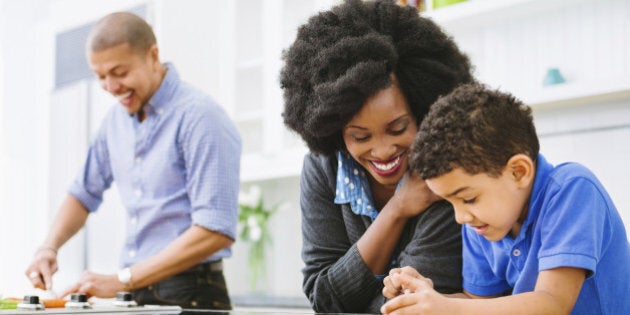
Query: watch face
{"points": [[124, 275]]}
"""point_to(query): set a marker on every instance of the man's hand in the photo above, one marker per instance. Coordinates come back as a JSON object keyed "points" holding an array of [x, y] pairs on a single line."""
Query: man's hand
{"points": [[94, 284], [42, 268]]}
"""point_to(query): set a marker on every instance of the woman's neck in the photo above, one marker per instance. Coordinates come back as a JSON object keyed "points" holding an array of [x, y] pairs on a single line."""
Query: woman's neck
{"points": [[380, 193]]}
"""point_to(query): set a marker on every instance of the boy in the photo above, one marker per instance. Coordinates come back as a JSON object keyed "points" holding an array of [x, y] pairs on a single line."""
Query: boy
{"points": [[537, 239]]}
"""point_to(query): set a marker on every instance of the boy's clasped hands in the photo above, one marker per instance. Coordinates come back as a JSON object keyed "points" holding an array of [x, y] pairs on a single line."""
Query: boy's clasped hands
{"points": [[411, 293]]}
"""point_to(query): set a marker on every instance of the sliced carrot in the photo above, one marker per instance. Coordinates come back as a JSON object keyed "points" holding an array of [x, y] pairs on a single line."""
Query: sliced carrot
{"points": [[54, 303]]}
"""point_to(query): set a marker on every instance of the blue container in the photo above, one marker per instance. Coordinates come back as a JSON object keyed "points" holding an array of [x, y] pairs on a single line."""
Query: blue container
{"points": [[553, 77]]}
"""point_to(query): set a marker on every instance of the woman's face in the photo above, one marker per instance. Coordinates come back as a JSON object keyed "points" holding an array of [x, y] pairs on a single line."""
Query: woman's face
{"points": [[379, 136]]}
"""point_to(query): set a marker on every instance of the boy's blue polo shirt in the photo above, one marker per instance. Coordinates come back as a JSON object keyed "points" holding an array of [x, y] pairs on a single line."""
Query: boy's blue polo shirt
{"points": [[572, 222]]}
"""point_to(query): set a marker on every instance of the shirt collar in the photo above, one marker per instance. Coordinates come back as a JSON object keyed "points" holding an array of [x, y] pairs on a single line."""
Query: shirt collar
{"points": [[353, 187], [165, 91], [543, 169]]}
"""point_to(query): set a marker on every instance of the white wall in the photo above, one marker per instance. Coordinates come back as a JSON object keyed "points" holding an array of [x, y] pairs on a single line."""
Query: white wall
{"points": [[26, 80]]}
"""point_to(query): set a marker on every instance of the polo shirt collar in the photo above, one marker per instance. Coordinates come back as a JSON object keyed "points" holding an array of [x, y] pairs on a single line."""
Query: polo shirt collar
{"points": [[543, 170]]}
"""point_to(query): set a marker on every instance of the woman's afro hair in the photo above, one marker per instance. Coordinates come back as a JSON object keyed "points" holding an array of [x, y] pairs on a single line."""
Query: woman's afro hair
{"points": [[346, 54]]}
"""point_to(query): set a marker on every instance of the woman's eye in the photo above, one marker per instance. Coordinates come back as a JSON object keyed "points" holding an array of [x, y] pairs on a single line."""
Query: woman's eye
{"points": [[399, 128], [361, 138], [469, 201], [399, 131]]}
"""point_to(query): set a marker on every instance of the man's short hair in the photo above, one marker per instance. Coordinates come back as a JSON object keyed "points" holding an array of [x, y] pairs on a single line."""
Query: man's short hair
{"points": [[119, 28]]}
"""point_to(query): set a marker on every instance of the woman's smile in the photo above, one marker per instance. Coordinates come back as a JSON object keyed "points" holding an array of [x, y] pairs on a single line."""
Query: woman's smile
{"points": [[387, 168]]}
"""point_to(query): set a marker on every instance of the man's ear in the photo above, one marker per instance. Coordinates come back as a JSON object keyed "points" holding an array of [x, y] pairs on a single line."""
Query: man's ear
{"points": [[154, 54], [522, 169]]}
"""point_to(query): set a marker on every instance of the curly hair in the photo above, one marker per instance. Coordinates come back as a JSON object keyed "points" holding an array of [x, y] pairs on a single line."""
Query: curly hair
{"points": [[344, 55], [474, 128]]}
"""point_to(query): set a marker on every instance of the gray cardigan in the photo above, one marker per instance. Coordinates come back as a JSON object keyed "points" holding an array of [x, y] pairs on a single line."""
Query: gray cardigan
{"points": [[336, 280]]}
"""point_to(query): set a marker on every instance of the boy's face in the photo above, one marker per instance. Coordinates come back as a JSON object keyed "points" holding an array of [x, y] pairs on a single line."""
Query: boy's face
{"points": [[492, 206]]}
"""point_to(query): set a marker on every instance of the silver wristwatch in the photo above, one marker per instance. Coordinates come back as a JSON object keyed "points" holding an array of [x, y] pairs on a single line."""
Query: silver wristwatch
{"points": [[124, 276]]}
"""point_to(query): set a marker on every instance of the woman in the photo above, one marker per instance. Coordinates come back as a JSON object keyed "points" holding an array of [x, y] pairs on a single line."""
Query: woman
{"points": [[357, 81]]}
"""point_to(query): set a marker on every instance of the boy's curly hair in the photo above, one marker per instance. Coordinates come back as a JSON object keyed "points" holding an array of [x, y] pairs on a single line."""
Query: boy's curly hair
{"points": [[474, 128], [346, 54]]}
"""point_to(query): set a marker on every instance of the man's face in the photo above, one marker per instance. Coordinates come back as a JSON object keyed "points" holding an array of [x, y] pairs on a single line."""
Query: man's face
{"points": [[129, 76]]}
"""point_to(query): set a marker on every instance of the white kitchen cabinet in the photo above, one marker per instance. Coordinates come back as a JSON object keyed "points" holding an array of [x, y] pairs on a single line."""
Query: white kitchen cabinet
{"points": [[513, 43], [261, 30]]}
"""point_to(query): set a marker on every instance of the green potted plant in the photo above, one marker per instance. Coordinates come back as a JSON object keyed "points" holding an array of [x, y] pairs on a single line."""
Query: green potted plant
{"points": [[444, 3], [253, 221]]}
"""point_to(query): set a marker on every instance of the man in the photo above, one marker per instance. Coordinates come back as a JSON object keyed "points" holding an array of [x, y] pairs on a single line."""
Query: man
{"points": [[174, 155]]}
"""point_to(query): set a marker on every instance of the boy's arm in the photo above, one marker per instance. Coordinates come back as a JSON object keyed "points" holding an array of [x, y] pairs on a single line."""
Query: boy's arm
{"points": [[468, 295], [556, 292]]}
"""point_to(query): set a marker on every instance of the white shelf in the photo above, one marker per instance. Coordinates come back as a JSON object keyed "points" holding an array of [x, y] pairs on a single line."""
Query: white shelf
{"points": [[577, 93], [479, 12], [260, 167]]}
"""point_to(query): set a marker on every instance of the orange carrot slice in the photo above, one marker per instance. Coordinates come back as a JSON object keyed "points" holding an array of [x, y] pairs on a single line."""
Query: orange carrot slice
{"points": [[54, 303]]}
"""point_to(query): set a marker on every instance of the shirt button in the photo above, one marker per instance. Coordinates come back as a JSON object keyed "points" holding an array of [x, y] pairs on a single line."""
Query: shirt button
{"points": [[138, 159], [516, 252], [134, 220], [138, 193], [132, 253], [160, 111]]}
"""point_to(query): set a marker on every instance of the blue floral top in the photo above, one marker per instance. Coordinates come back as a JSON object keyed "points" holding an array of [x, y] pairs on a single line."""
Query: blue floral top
{"points": [[353, 187]]}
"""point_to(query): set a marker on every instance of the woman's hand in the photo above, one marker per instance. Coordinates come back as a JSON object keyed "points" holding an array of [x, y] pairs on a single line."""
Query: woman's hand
{"points": [[413, 196]]}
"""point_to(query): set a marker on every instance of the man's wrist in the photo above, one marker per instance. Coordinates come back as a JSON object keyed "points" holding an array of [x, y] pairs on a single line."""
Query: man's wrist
{"points": [[124, 276], [48, 247]]}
